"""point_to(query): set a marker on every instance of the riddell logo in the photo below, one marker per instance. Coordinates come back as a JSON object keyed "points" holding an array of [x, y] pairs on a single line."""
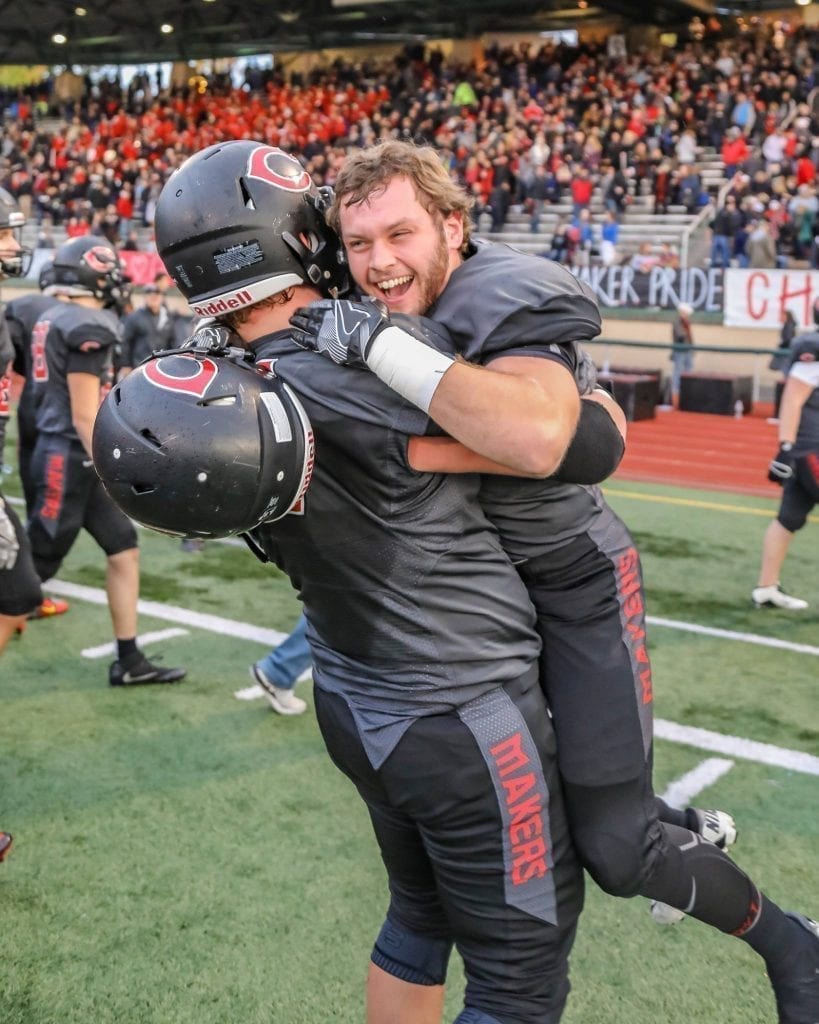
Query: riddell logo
{"points": [[631, 599], [243, 298]]}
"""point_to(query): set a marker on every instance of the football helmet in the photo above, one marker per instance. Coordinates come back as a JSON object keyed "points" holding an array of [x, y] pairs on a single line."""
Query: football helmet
{"points": [[199, 444], [89, 266], [12, 261], [241, 221]]}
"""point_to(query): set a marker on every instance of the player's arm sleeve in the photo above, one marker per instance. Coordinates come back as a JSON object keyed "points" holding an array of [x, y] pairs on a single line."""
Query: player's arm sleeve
{"points": [[19, 342], [596, 448]]}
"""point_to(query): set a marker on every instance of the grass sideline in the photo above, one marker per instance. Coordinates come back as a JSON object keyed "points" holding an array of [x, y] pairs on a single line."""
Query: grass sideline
{"points": [[182, 856]]}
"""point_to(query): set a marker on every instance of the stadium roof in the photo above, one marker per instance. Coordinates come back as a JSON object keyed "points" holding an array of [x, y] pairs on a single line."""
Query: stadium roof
{"points": [[96, 32]]}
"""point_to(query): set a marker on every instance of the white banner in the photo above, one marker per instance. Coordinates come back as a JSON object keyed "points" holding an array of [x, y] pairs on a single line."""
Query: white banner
{"points": [[760, 298]]}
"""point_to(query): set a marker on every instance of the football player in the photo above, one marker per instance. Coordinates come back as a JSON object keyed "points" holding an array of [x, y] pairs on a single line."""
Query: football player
{"points": [[21, 315], [795, 467], [424, 649], [72, 344], [405, 226], [20, 590]]}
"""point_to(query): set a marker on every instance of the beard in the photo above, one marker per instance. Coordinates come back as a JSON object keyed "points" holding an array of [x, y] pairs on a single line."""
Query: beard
{"points": [[432, 281]]}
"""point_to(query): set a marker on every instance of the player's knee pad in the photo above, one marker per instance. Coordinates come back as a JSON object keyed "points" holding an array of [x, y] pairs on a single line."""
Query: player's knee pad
{"points": [[418, 959]]}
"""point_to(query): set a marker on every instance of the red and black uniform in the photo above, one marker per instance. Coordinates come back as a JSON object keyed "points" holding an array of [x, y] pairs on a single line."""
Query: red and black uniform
{"points": [[425, 665], [582, 571], [21, 315], [68, 495]]}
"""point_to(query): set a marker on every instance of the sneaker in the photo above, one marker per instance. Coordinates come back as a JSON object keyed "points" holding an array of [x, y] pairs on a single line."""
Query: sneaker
{"points": [[50, 606], [6, 839], [282, 700], [136, 670], [773, 597], [795, 980], [718, 827]]}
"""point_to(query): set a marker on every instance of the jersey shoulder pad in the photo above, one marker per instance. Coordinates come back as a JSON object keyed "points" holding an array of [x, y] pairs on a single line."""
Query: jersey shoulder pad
{"points": [[88, 330]]}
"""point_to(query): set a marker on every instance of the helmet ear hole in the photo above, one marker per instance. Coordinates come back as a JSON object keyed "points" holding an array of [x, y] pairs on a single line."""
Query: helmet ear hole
{"points": [[150, 437], [143, 488]]}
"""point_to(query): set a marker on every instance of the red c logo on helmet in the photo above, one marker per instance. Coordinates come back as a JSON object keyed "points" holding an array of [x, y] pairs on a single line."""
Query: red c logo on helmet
{"points": [[196, 382], [267, 163], [101, 259]]}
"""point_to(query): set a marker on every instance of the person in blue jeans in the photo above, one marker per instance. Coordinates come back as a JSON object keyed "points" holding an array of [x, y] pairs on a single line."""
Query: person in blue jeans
{"points": [[278, 671]]}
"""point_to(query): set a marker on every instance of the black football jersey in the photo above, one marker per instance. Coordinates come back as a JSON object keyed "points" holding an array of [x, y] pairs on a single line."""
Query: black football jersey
{"points": [[68, 338], [21, 314], [6, 354], [412, 603], [503, 302]]}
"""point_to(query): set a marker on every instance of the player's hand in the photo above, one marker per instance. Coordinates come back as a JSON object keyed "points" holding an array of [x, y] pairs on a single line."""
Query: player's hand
{"points": [[340, 329], [212, 337], [782, 465], [9, 545]]}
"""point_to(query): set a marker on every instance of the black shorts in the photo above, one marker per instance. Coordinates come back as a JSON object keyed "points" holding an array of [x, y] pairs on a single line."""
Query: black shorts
{"points": [[800, 494], [68, 498], [595, 668], [19, 586], [468, 814]]}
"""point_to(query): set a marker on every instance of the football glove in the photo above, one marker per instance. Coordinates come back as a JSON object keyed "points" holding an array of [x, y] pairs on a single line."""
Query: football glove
{"points": [[9, 544], [782, 465], [340, 329]]}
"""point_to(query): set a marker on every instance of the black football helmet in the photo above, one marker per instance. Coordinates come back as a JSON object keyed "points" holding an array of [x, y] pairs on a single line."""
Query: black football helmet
{"points": [[90, 266], [241, 221], [12, 262], [202, 445]]}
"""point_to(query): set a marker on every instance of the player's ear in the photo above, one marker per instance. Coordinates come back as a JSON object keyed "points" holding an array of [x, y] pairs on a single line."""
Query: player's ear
{"points": [[454, 230]]}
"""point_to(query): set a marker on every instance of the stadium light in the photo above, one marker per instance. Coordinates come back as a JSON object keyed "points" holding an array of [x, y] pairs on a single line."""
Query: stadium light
{"points": [[165, 28], [59, 38], [80, 12]]}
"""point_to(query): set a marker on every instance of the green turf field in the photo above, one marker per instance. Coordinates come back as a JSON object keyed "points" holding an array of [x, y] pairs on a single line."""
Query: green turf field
{"points": [[186, 857]]}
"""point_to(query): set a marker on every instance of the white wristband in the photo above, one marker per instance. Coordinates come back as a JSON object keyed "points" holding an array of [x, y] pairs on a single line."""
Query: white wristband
{"points": [[407, 365]]}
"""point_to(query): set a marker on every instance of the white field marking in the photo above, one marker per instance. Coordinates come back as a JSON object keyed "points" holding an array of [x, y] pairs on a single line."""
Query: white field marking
{"points": [[736, 746], [681, 791], [105, 650], [730, 634], [732, 746], [171, 613]]}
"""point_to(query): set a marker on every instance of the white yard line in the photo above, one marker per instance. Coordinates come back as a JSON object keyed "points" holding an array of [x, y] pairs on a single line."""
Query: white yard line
{"points": [[730, 746], [729, 634], [106, 650], [736, 746], [681, 791]]}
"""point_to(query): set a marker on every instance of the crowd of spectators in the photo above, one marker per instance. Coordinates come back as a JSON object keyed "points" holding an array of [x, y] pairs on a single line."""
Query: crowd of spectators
{"points": [[527, 128]]}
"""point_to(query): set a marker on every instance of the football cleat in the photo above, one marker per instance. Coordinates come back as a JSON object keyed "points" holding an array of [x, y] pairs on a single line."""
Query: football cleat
{"points": [[795, 980], [774, 597], [50, 606], [6, 839], [136, 670], [282, 700], [717, 827]]}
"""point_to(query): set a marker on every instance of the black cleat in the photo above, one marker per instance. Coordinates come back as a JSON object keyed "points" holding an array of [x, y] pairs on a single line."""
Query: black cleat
{"points": [[136, 670], [796, 979]]}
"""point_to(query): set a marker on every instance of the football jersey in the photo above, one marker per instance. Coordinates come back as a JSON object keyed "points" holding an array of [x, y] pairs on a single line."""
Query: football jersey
{"points": [[21, 314], [6, 354], [413, 606], [807, 437], [502, 302], [68, 338]]}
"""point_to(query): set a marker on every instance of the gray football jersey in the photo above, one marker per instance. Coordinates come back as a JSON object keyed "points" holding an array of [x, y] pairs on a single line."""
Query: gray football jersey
{"points": [[414, 608], [503, 302]]}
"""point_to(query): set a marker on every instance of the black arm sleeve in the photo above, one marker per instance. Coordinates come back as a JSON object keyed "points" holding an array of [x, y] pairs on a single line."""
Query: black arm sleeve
{"points": [[596, 449]]}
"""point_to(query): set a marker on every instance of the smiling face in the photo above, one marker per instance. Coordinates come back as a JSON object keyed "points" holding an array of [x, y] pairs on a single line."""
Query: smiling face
{"points": [[397, 250]]}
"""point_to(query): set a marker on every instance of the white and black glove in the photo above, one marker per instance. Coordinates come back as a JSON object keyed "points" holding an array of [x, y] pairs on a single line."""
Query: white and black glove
{"points": [[361, 334], [782, 466], [586, 373], [340, 329], [9, 544]]}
